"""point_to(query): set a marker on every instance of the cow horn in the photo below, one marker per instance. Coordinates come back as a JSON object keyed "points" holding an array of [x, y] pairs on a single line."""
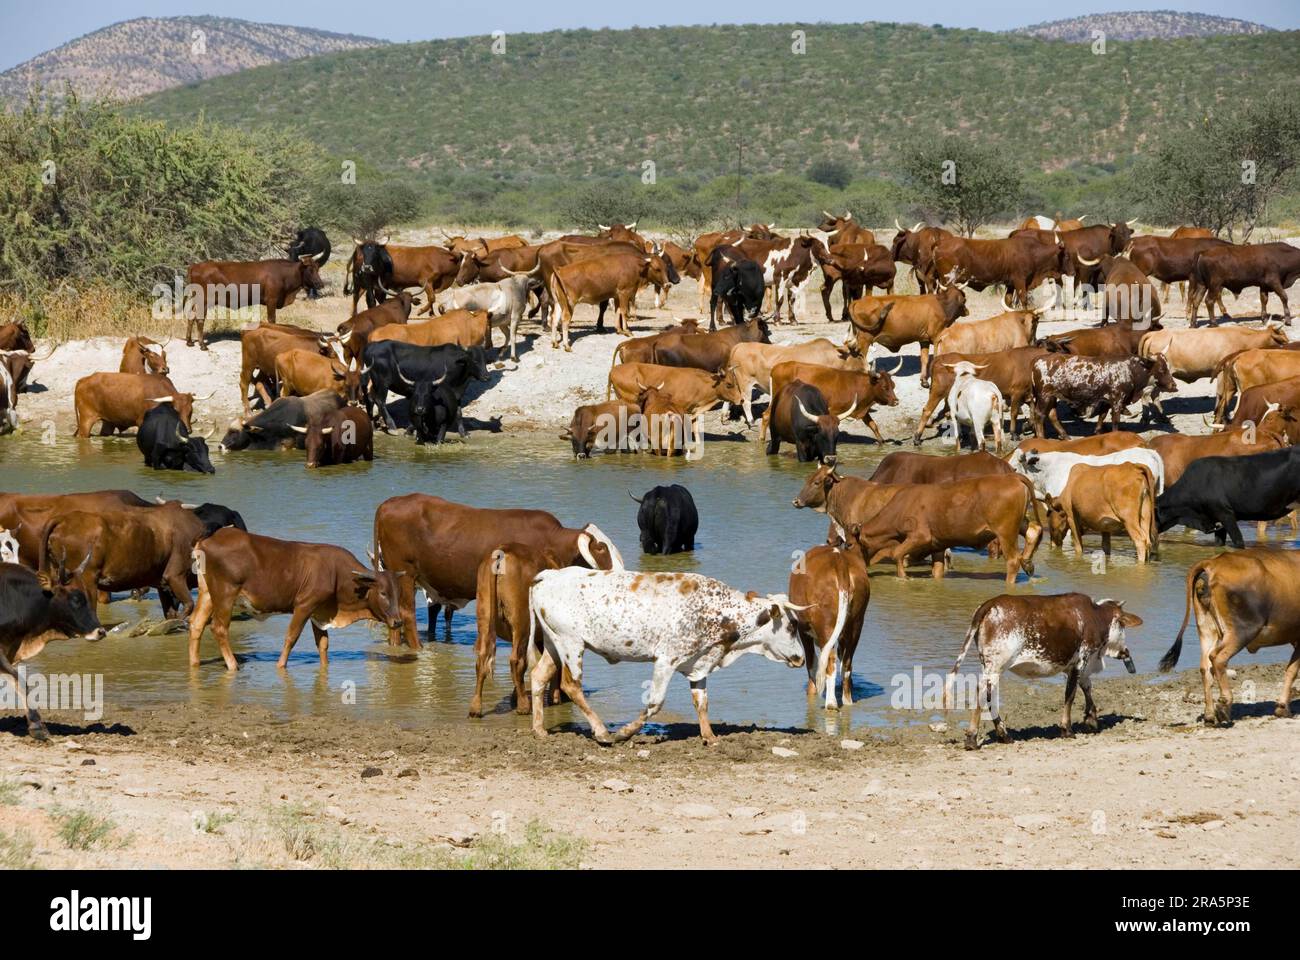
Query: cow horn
{"points": [[82, 566], [632, 225], [1085, 217], [1088, 263], [830, 216], [297, 429], [898, 225], [918, 225], [637, 499], [1005, 302], [601, 226], [203, 399], [327, 430], [398, 368], [848, 214], [383, 241], [852, 406], [1127, 223], [584, 548], [320, 257], [434, 383], [1212, 426], [161, 399], [391, 293], [211, 431], [47, 356], [804, 410]]}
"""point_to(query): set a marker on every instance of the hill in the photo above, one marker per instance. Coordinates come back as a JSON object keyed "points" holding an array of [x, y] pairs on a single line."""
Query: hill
{"points": [[146, 55], [581, 103], [1141, 25]]}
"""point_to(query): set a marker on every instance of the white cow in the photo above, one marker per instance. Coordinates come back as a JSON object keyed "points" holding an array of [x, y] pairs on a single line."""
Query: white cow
{"points": [[974, 403], [680, 622], [1050, 471], [8, 401], [504, 301], [8, 547]]}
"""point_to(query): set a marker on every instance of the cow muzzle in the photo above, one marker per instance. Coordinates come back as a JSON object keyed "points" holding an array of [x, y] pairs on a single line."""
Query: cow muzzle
{"points": [[99, 633], [795, 661]]}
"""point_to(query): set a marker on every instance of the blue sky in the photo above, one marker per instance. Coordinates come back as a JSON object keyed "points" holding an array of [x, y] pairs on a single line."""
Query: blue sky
{"points": [[27, 29]]}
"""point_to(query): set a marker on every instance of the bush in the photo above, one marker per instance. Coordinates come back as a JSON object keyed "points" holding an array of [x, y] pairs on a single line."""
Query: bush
{"points": [[830, 173], [89, 195], [963, 182], [365, 208]]}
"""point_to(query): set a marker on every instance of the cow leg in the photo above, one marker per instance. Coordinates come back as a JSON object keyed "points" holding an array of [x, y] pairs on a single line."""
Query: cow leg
{"points": [[849, 646], [700, 697], [1105, 544], [571, 684], [35, 728], [1071, 682], [322, 638], [518, 664], [198, 621], [301, 614], [925, 365], [991, 682], [663, 672], [1091, 722], [1283, 708], [1033, 534], [600, 318], [543, 671], [1055, 417], [406, 606], [221, 631], [1072, 521], [828, 285]]}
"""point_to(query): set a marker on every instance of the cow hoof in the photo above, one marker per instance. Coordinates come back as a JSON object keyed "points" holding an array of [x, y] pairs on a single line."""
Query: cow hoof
{"points": [[1092, 725], [604, 739], [1066, 732], [38, 732], [972, 741], [475, 714], [1223, 713], [1004, 736], [1282, 711]]}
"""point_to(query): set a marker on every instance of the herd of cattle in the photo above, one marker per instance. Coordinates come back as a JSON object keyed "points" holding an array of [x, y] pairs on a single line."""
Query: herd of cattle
{"points": [[553, 592]]}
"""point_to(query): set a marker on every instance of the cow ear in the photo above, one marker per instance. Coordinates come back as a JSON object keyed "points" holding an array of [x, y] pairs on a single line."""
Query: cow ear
{"points": [[1130, 619], [47, 583], [764, 617]]}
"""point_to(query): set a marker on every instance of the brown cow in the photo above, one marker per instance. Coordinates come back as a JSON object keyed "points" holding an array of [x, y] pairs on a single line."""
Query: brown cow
{"points": [[1127, 294], [313, 581], [1020, 263], [129, 548], [482, 246], [354, 333], [1244, 600], [899, 319], [1278, 402], [301, 373], [799, 414], [642, 349], [432, 268], [1115, 341], [259, 348], [751, 363], [683, 262], [848, 501], [1272, 267], [666, 422], [860, 267], [849, 390], [465, 328], [1178, 450], [600, 424], [1116, 498], [14, 335], [928, 519], [1006, 331], [1011, 371], [707, 351], [119, 401], [1170, 259], [832, 582], [1039, 636], [611, 276], [501, 608], [915, 247], [496, 265], [906, 467], [693, 390], [1090, 243], [338, 436], [1193, 354], [143, 355], [844, 229], [439, 545], [25, 515], [1252, 368], [1097, 445], [234, 285]]}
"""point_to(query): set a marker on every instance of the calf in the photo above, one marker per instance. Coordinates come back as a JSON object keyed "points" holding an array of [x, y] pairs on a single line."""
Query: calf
{"points": [[1039, 637], [681, 622], [1010, 370], [312, 581], [800, 415], [667, 519], [1215, 493], [897, 320], [929, 519], [339, 436], [501, 608], [504, 303], [832, 583], [1050, 471], [1118, 498], [35, 609], [694, 391], [974, 403], [166, 443], [605, 425], [1243, 601], [1092, 386]]}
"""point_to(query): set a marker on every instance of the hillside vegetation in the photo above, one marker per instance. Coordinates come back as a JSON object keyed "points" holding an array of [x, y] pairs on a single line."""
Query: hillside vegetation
{"points": [[1141, 25], [142, 56], [583, 103]]}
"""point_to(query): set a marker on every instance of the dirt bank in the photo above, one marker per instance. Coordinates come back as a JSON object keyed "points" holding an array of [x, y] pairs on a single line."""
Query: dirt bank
{"points": [[185, 787]]}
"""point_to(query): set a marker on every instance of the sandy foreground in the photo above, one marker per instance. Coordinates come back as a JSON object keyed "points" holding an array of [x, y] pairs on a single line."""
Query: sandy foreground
{"points": [[188, 786], [185, 787]]}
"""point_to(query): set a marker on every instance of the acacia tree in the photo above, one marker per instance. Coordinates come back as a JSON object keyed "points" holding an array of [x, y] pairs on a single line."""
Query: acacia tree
{"points": [[1225, 172], [964, 183]]}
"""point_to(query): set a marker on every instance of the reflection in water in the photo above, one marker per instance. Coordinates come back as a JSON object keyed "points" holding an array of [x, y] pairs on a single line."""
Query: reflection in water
{"points": [[748, 533]]}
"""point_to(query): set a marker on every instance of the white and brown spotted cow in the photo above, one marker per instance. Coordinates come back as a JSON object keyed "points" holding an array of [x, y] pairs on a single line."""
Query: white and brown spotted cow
{"points": [[1040, 637], [681, 622]]}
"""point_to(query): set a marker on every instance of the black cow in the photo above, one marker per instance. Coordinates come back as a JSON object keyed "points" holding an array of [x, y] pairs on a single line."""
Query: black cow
{"points": [[215, 517], [310, 240], [668, 520], [799, 414], [32, 608], [737, 282], [167, 445], [370, 270], [273, 428], [1215, 493], [435, 407], [401, 367]]}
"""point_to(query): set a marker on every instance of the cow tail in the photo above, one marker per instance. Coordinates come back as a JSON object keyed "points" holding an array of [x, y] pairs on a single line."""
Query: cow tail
{"points": [[534, 644], [347, 272], [1033, 504], [42, 543], [975, 624], [832, 642], [487, 607], [379, 553], [1168, 661]]}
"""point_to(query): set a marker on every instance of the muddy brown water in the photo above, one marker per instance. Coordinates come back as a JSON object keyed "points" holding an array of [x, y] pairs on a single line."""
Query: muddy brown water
{"points": [[749, 532]]}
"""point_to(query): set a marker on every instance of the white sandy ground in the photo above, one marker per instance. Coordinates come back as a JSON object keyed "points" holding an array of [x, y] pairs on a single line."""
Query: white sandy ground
{"points": [[547, 384]]}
